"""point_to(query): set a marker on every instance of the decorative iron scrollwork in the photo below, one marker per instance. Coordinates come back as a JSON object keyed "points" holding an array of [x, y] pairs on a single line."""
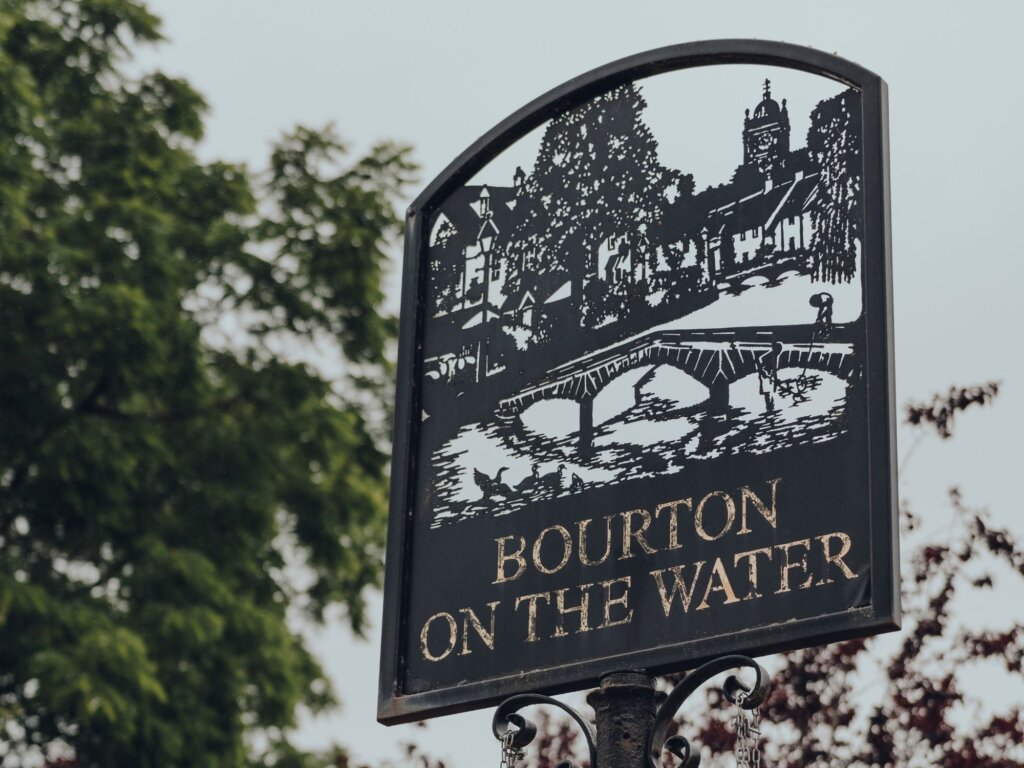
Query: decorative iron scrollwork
{"points": [[508, 715], [734, 690]]}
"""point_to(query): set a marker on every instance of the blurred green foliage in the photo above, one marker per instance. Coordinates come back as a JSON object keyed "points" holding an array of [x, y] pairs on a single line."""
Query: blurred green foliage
{"points": [[178, 489]]}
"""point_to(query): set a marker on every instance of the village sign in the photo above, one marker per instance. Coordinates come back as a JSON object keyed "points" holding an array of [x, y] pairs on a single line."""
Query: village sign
{"points": [[645, 384]]}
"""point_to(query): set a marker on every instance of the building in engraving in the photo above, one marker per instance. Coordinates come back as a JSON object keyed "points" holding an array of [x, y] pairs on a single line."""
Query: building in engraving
{"points": [[466, 273], [761, 220], [467, 277], [766, 134]]}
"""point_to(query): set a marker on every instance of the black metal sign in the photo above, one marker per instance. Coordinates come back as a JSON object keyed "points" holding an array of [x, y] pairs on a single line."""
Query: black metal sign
{"points": [[645, 388]]}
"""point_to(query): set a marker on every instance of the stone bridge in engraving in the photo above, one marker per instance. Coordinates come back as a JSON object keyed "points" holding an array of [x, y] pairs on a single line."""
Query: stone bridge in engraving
{"points": [[716, 359]]}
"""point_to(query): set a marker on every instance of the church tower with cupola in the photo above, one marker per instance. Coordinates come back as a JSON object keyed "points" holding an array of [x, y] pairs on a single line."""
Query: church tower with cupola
{"points": [[766, 134]]}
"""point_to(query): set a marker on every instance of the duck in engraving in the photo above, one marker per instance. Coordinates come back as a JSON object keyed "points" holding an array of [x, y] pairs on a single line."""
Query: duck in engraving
{"points": [[529, 483], [492, 486], [551, 481], [575, 484]]}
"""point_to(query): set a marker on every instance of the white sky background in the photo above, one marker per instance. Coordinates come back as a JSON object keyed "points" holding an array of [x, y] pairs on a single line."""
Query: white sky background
{"points": [[439, 74]]}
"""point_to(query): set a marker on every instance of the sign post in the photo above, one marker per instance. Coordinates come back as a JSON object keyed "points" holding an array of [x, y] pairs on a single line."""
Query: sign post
{"points": [[645, 410]]}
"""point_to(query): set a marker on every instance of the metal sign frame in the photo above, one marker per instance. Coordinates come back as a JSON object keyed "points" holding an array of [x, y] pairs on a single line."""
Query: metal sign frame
{"points": [[395, 705]]}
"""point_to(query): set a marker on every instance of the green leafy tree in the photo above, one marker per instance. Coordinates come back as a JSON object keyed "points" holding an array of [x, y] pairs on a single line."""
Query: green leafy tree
{"points": [[168, 462]]}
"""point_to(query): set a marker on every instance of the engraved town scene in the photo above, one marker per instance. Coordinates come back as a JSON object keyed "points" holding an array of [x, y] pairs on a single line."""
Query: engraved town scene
{"points": [[600, 317]]}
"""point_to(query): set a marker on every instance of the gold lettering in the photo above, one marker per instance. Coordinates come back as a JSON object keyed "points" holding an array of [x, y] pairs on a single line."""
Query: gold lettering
{"points": [[673, 519], [453, 636], [566, 549], [582, 525], [751, 558], [768, 514], [583, 609], [504, 558], [730, 515], [623, 600], [788, 565], [836, 559], [724, 585], [469, 617], [678, 586], [629, 535], [531, 612]]}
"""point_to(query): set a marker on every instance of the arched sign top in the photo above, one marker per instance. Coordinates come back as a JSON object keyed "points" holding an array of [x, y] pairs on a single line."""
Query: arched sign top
{"points": [[638, 66], [644, 407]]}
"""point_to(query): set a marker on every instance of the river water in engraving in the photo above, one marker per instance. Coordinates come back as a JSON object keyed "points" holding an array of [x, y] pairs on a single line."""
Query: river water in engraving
{"points": [[651, 421]]}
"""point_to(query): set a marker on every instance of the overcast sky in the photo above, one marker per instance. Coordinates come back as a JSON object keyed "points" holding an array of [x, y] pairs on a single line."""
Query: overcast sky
{"points": [[439, 74]]}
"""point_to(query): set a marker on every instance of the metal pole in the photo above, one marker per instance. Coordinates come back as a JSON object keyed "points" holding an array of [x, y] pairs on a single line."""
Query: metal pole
{"points": [[624, 706], [633, 718]]}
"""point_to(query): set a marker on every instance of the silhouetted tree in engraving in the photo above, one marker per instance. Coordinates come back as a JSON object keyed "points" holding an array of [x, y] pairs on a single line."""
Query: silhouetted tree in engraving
{"points": [[687, 269], [834, 142], [596, 176], [895, 700]]}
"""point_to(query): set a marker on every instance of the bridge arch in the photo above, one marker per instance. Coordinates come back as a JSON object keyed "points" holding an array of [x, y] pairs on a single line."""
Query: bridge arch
{"points": [[629, 383], [714, 363]]}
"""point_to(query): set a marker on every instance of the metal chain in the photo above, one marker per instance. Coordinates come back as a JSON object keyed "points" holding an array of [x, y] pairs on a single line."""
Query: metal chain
{"points": [[747, 725], [510, 754]]}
